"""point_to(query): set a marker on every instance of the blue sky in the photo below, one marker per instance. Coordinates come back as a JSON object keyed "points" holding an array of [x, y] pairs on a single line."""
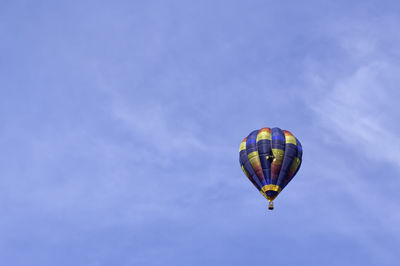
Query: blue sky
{"points": [[120, 123]]}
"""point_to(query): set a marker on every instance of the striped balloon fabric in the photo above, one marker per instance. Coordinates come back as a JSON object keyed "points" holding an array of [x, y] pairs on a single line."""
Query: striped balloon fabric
{"points": [[270, 158]]}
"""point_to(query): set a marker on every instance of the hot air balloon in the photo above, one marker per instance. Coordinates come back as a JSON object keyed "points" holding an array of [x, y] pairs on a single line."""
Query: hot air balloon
{"points": [[270, 158]]}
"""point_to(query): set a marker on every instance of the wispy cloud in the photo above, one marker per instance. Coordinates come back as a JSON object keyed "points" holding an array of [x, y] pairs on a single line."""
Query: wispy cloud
{"points": [[360, 105], [356, 109]]}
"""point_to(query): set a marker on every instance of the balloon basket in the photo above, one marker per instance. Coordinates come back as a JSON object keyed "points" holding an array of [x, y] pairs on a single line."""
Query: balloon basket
{"points": [[271, 206]]}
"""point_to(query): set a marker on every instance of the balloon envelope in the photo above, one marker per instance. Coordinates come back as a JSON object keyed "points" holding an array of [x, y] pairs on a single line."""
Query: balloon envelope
{"points": [[270, 158]]}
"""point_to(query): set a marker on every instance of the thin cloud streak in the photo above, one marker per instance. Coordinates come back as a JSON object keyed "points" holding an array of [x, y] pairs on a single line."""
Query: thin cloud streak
{"points": [[356, 109]]}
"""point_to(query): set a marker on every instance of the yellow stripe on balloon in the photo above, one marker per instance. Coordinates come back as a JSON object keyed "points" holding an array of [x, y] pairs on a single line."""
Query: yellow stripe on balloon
{"points": [[289, 138], [264, 134], [271, 187], [278, 154], [254, 159], [242, 145]]}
